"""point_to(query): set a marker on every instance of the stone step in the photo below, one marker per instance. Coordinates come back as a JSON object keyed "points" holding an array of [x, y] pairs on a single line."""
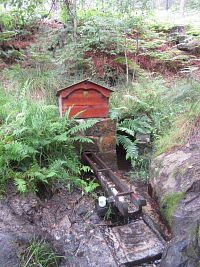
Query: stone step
{"points": [[134, 243]]}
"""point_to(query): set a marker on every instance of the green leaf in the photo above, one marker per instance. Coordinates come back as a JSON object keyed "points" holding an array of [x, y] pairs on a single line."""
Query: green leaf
{"points": [[21, 185]]}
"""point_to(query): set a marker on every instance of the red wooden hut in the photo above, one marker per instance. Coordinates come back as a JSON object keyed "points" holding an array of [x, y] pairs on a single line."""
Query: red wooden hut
{"points": [[86, 99]]}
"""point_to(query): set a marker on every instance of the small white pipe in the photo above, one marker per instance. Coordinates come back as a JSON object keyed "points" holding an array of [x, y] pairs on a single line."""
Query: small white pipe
{"points": [[102, 201]]}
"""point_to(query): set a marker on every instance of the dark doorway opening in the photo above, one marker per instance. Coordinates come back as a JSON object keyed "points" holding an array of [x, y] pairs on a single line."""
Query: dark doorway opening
{"points": [[122, 163]]}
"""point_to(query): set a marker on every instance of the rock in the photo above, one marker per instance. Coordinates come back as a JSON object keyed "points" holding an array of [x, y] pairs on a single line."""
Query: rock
{"points": [[61, 229], [175, 179], [191, 46], [177, 34], [18, 226], [179, 29], [175, 172], [15, 230], [103, 127], [82, 210], [8, 251], [24, 205], [183, 39], [134, 243], [103, 135], [143, 138], [182, 252]]}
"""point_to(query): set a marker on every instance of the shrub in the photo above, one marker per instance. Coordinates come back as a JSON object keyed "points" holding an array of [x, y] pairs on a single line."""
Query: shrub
{"points": [[37, 146]]}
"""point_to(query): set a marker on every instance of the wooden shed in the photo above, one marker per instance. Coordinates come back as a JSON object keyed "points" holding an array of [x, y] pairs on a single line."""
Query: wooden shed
{"points": [[85, 98]]}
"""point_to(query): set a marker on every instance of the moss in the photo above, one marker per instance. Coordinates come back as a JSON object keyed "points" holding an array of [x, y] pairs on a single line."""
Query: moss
{"points": [[169, 204], [198, 230]]}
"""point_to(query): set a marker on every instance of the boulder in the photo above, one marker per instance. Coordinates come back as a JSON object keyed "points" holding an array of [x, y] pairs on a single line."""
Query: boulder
{"points": [[179, 29], [193, 46], [175, 180], [16, 227], [8, 251]]}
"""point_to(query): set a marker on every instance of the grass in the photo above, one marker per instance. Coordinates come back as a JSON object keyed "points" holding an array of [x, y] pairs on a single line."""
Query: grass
{"points": [[177, 134], [169, 203], [146, 95], [39, 253], [40, 82], [182, 123], [171, 113]]}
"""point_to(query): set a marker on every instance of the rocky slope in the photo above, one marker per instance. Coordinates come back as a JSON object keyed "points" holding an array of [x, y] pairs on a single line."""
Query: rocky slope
{"points": [[176, 185]]}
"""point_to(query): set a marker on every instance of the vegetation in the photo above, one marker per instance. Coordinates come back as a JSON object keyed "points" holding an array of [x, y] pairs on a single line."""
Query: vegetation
{"points": [[37, 146], [133, 46], [169, 204], [39, 253]]}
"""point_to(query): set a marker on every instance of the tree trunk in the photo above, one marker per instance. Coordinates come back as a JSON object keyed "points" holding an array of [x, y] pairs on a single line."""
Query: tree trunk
{"points": [[167, 4], [71, 7], [126, 61], [182, 6], [74, 21]]}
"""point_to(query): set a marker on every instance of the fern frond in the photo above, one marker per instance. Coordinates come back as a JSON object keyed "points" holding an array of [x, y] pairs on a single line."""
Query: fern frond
{"points": [[141, 125], [116, 113], [126, 130], [82, 126], [21, 185], [129, 146], [81, 139]]}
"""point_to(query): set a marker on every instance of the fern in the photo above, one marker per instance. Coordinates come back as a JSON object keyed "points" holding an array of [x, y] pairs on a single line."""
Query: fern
{"points": [[81, 139], [21, 185], [36, 145], [82, 126], [131, 126], [129, 146], [126, 130]]}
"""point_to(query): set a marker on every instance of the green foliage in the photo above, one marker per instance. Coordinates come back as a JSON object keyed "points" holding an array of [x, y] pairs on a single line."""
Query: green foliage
{"points": [[109, 213], [160, 103], [127, 130], [129, 146], [193, 5], [39, 253], [169, 203], [149, 97], [187, 106], [40, 82], [7, 35], [86, 186], [16, 14], [100, 33], [36, 145], [160, 26], [138, 125], [168, 114]]}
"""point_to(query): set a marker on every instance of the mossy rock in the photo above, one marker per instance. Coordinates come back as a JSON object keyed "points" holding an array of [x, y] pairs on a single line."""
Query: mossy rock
{"points": [[169, 203]]}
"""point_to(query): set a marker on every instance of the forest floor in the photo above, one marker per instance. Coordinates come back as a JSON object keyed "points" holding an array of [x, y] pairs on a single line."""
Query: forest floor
{"points": [[158, 54]]}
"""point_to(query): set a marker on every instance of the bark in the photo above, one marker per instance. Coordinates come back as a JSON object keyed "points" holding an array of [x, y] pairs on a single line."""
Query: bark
{"points": [[126, 61], [71, 7], [167, 4], [182, 6]]}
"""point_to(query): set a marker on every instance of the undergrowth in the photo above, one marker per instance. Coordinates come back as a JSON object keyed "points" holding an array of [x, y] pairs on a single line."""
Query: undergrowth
{"points": [[39, 253], [182, 123], [40, 82], [166, 113], [37, 146]]}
